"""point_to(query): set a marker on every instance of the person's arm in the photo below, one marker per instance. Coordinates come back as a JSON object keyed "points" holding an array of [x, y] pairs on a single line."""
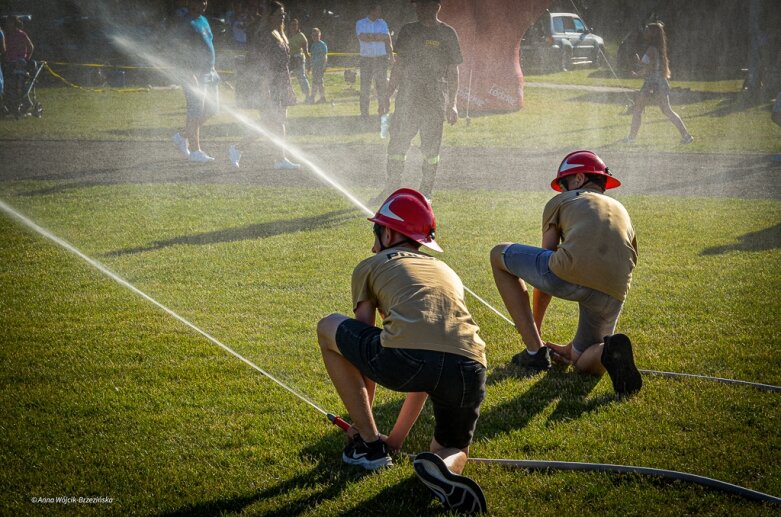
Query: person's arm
{"points": [[29, 44], [305, 48], [369, 36], [363, 36], [408, 414], [541, 300], [365, 312], [452, 89], [389, 48], [396, 75]]}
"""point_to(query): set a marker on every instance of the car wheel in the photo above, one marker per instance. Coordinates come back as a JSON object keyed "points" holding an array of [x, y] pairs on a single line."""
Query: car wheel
{"points": [[566, 59]]}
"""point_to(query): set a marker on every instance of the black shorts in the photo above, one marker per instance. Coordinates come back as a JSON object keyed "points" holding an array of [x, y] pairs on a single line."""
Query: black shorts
{"points": [[455, 384]]}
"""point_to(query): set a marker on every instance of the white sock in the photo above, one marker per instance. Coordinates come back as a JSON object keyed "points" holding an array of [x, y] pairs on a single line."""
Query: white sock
{"points": [[531, 353]]}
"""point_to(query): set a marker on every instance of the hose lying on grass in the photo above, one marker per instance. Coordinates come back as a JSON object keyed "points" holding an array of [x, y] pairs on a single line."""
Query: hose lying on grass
{"points": [[627, 469]]}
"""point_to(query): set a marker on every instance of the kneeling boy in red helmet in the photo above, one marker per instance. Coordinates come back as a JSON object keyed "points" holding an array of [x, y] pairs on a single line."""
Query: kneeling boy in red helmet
{"points": [[588, 253], [428, 346]]}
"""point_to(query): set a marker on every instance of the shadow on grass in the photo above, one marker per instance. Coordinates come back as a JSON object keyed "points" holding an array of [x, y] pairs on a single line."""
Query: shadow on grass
{"points": [[333, 125], [296, 126], [326, 479], [323, 481], [762, 240], [208, 131], [568, 388], [678, 96], [251, 232], [740, 181]]}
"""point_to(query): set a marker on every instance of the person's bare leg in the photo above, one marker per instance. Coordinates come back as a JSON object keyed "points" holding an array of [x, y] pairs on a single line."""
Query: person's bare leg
{"points": [[348, 381], [664, 105], [515, 296], [192, 132], [590, 361], [637, 115]]}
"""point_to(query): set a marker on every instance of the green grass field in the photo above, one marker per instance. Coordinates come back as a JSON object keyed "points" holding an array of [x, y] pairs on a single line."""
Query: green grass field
{"points": [[105, 395], [715, 113]]}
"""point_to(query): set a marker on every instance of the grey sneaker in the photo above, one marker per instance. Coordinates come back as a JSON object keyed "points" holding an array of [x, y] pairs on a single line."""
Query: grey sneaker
{"points": [[456, 492], [618, 360], [539, 361], [687, 139]]}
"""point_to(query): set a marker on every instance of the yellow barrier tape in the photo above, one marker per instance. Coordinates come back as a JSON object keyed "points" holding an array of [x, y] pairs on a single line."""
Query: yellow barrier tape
{"points": [[98, 90]]}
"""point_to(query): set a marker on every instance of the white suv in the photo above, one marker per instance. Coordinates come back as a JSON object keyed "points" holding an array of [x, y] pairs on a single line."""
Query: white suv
{"points": [[559, 41]]}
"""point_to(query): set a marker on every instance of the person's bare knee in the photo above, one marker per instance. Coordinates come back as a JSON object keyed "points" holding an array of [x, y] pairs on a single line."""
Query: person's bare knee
{"points": [[326, 331], [497, 256]]}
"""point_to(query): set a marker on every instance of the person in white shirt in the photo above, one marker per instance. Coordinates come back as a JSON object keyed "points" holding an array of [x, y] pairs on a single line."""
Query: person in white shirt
{"points": [[376, 53]]}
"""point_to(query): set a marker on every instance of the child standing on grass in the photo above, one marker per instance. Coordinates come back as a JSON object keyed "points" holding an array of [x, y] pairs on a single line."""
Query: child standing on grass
{"points": [[428, 346], [656, 70], [319, 60]]}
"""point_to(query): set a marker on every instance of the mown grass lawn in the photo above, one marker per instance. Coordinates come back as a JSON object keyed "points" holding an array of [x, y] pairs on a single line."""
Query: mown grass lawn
{"points": [[103, 394], [715, 113]]}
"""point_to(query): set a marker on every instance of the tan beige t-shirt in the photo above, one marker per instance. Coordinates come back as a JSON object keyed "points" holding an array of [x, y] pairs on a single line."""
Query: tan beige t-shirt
{"points": [[598, 247], [422, 301]]}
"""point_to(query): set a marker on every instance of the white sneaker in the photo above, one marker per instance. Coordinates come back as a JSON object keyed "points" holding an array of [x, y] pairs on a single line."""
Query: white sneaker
{"points": [[286, 164], [200, 157], [234, 155], [181, 143]]}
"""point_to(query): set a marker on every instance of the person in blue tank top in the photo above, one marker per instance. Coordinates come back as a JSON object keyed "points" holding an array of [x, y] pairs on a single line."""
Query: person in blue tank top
{"points": [[196, 55]]}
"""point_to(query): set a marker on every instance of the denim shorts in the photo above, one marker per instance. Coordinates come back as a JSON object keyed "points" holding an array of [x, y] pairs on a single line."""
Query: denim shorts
{"points": [[598, 311], [655, 85], [455, 384], [203, 99]]}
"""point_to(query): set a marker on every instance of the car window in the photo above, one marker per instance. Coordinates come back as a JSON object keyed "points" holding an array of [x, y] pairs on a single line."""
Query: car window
{"points": [[569, 24], [579, 25], [558, 24]]}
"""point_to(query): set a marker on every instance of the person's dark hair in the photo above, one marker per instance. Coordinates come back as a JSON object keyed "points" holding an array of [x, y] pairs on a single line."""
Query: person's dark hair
{"points": [[274, 6], [371, 6], [16, 23], [597, 179]]}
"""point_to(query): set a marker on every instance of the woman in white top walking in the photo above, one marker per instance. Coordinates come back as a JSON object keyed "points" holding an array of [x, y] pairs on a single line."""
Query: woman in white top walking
{"points": [[656, 70]]}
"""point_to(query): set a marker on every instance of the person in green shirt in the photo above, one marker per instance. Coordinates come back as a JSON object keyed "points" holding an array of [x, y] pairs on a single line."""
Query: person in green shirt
{"points": [[299, 55]]}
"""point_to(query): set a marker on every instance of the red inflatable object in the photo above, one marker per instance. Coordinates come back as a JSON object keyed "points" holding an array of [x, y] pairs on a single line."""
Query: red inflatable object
{"points": [[490, 33]]}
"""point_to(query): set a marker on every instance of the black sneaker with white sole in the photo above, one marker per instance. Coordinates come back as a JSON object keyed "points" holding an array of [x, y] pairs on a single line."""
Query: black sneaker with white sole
{"points": [[458, 493], [619, 361], [370, 456], [540, 361]]}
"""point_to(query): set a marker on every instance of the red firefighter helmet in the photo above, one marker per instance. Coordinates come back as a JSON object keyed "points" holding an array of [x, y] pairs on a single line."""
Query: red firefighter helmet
{"points": [[408, 212], [586, 162]]}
